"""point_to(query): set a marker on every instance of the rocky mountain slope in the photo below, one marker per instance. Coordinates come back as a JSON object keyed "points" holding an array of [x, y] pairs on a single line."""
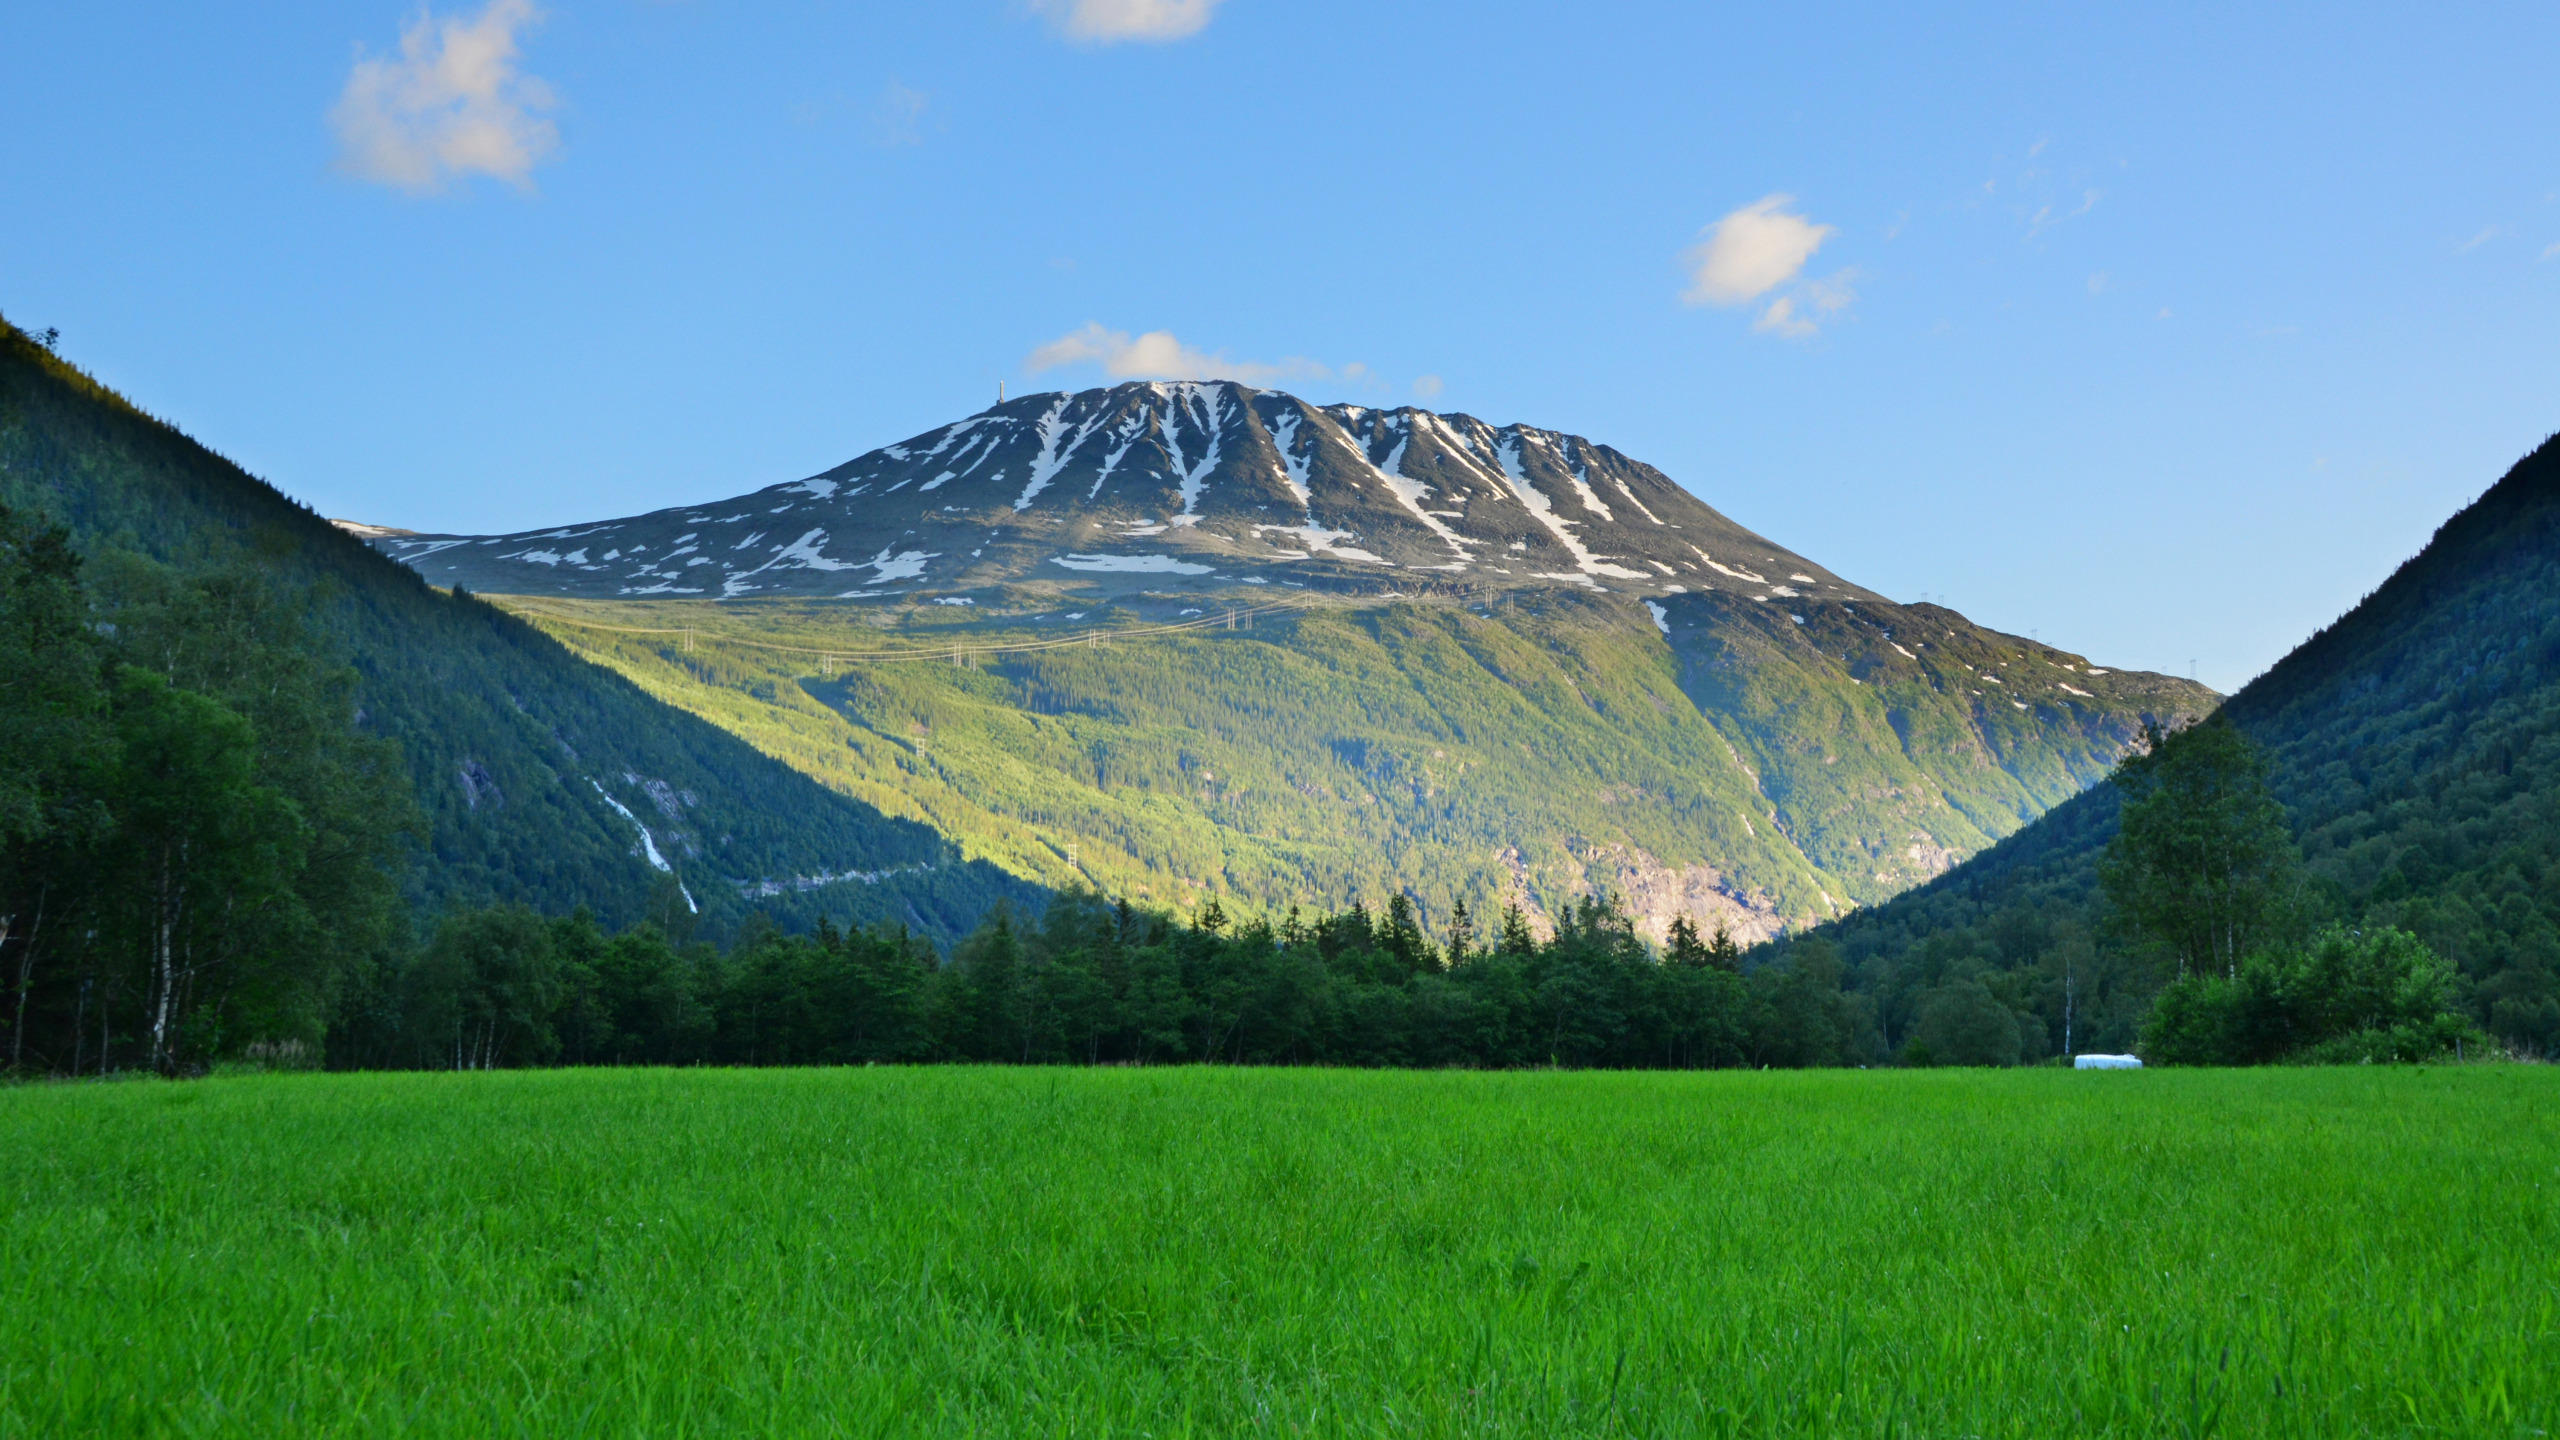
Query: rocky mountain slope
{"points": [[1520, 664], [1205, 482]]}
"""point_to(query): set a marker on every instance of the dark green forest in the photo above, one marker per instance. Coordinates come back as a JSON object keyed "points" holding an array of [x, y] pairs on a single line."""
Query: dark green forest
{"points": [[2414, 749], [532, 771], [1090, 982]]}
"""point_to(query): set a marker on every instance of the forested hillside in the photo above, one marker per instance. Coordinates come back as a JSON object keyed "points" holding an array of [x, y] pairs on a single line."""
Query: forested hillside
{"points": [[1746, 763], [540, 778], [2416, 746]]}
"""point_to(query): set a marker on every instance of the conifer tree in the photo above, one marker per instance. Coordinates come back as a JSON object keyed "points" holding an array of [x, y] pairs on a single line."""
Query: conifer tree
{"points": [[1722, 953], [1461, 933], [1681, 947]]}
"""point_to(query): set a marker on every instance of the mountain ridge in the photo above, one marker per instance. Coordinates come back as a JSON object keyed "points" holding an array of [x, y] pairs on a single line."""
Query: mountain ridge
{"points": [[1209, 481], [1785, 743]]}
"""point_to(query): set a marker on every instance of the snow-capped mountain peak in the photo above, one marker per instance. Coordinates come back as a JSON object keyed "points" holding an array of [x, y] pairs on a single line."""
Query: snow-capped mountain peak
{"points": [[1209, 480]]}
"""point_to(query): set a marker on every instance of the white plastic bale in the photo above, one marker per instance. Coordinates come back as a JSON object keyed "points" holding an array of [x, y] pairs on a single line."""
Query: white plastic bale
{"points": [[2106, 1062]]}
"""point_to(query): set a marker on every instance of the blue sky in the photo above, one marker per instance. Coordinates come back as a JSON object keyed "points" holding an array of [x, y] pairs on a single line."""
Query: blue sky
{"points": [[2161, 331]]}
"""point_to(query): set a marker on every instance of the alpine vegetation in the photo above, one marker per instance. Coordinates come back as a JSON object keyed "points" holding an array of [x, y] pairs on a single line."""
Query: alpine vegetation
{"points": [[1492, 663]]}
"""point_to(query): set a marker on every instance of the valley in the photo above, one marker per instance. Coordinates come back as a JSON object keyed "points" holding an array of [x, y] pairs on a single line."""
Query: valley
{"points": [[1490, 665], [1697, 754]]}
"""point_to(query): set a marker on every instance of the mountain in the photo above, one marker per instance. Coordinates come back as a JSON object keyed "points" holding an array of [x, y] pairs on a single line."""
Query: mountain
{"points": [[1142, 483], [2416, 743], [1479, 663], [543, 778]]}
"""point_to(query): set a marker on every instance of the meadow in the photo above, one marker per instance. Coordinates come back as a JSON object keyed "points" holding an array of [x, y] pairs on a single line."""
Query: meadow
{"points": [[950, 1251]]}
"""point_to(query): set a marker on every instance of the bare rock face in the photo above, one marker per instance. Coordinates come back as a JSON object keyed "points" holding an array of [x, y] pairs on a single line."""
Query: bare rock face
{"points": [[479, 787], [1655, 894]]}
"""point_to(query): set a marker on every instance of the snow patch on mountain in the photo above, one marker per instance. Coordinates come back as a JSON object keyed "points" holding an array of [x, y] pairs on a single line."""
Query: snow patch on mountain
{"points": [[1130, 564], [1543, 511]]}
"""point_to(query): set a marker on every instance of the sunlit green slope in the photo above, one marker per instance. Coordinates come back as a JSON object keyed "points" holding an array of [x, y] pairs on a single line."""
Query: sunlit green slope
{"points": [[1758, 764]]}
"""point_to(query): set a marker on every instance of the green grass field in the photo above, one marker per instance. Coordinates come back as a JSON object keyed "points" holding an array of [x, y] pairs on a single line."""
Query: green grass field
{"points": [[1176, 1252]]}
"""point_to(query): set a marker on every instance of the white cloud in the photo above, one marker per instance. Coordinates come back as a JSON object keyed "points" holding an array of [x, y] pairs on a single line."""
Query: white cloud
{"points": [[1751, 252], [1428, 387], [1157, 355], [1111, 21], [2476, 241], [2551, 251], [453, 104]]}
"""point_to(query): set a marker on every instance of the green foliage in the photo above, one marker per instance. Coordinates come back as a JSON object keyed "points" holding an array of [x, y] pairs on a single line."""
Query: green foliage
{"points": [[2416, 745], [1963, 1023], [1084, 983], [52, 711], [1210, 1252], [2202, 864], [197, 842], [516, 754], [2349, 997]]}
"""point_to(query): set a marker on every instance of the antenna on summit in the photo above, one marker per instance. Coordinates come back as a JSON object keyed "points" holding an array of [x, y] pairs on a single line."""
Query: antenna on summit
{"points": [[999, 392]]}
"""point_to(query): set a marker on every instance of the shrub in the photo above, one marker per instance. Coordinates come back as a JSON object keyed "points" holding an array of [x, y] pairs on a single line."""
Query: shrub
{"points": [[2352, 996]]}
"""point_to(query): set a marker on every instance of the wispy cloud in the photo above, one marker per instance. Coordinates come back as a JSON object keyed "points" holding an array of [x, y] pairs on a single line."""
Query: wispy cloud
{"points": [[897, 117], [2047, 216], [1427, 387], [1761, 248], [1781, 319], [2483, 238], [1157, 355], [451, 105], [2551, 250], [1108, 22], [1801, 315]]}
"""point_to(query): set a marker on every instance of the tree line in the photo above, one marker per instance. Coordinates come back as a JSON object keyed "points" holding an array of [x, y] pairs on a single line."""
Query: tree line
{"points": [[1089, 981], [199, 839]]}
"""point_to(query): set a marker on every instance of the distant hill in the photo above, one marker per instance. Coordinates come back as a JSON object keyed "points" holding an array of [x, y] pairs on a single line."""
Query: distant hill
{"points": [[543, 778], [2417, 744], [1519, 665]]}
